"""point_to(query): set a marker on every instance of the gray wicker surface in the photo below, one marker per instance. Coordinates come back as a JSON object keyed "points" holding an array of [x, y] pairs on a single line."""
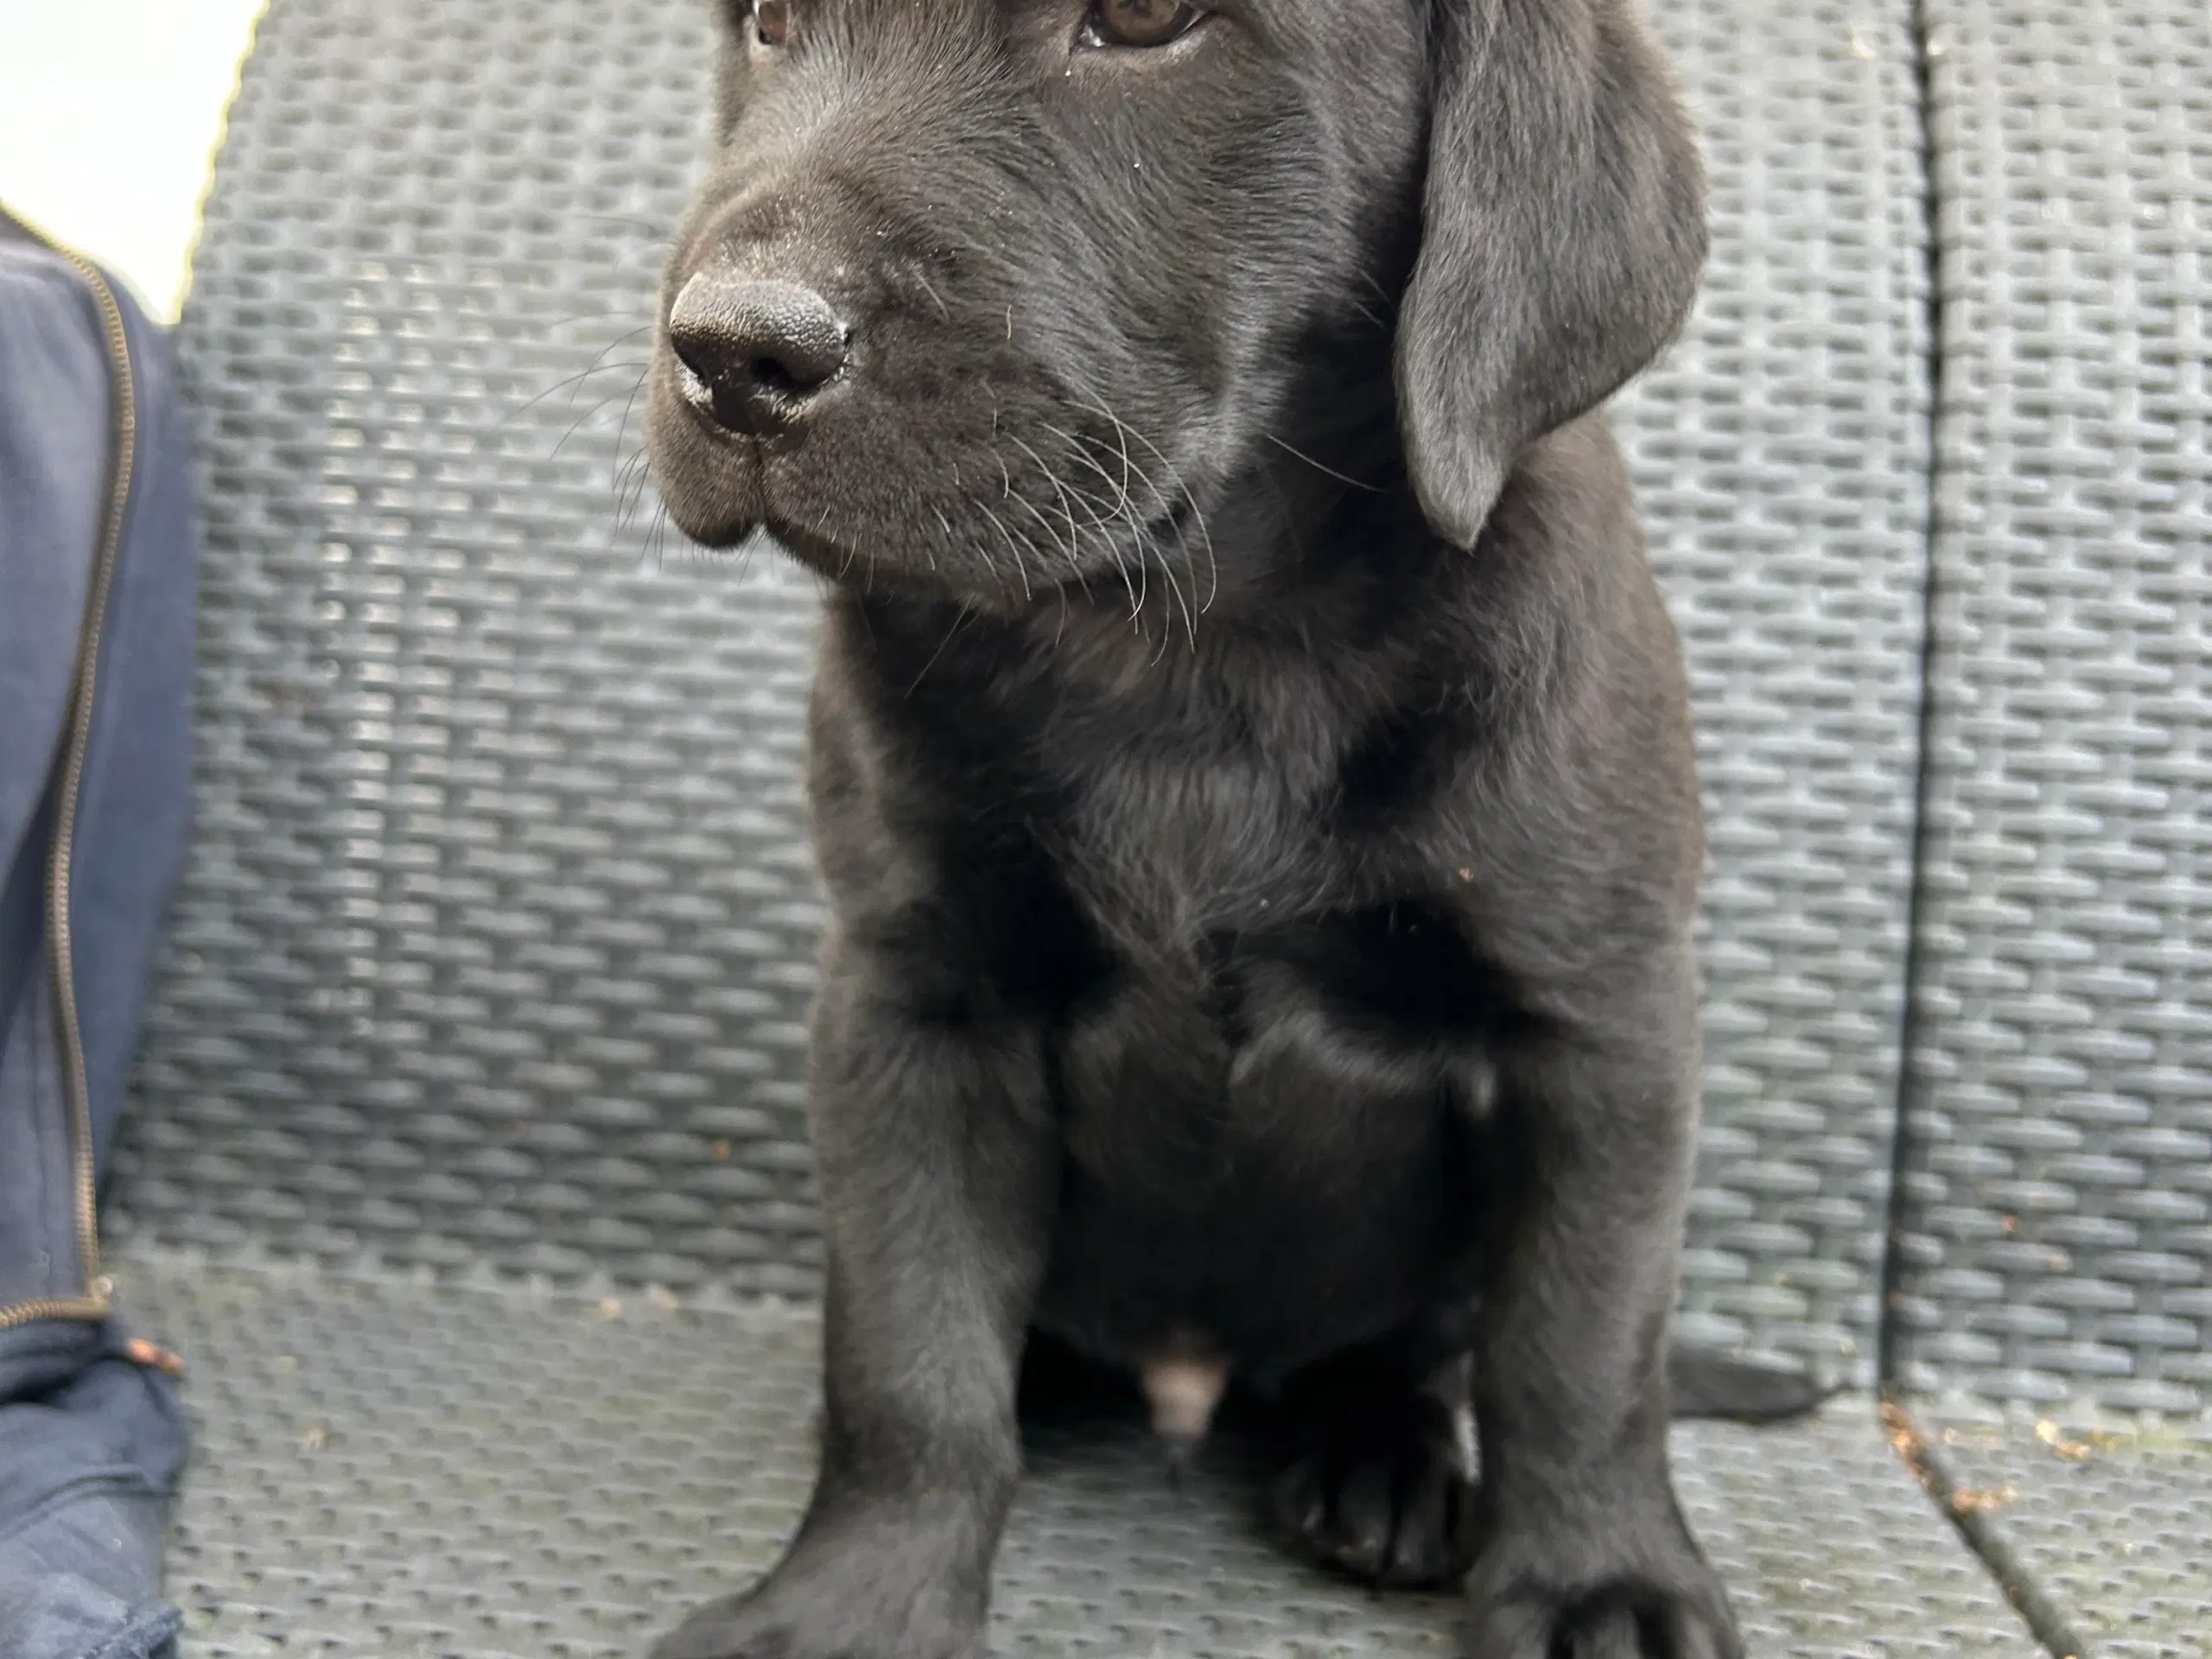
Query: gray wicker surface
{"points": [[398, 1470], [2061, 1231], [1781, 453], [496, 935], [496, 938], [2111, 1525]]}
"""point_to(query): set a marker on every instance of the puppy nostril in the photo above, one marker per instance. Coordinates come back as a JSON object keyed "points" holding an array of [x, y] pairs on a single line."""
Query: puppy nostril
{"points": [[760, 348], [694, 355], [770, 372]]}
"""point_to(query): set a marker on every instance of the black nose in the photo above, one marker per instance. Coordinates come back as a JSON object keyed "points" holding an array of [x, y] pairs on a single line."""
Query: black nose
{"points": [[758, 350]]}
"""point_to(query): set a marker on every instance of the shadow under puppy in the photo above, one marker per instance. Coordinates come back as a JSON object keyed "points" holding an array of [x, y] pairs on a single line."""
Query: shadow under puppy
{"points": [[1251, 767]]}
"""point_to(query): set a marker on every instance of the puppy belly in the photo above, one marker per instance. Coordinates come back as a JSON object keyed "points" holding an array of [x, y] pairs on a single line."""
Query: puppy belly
{"points": [[1255, 1288], [1253, 1176]]}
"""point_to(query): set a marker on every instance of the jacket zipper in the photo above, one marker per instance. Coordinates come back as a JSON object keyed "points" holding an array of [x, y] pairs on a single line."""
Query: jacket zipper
{"points": [[122, 471]]}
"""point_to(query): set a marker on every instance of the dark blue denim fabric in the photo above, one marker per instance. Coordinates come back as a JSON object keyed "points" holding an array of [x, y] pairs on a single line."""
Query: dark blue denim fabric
{"points": [[85, 1470], [90, 1442]]}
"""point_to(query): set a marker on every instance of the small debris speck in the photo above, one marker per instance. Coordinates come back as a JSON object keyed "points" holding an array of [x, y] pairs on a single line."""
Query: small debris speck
{"points": [[1976, 1500], [2057, 1439], [139, 1352]]}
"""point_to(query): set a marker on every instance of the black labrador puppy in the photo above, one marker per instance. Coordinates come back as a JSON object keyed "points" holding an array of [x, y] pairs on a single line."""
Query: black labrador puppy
{"points": [[1251, 767]]}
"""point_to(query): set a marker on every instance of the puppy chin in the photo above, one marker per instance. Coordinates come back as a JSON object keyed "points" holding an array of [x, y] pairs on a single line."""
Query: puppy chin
{"points": [[879, 568]]}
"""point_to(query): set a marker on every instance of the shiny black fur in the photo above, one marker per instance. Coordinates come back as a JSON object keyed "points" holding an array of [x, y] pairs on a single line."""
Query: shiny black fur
{"points": [[1251, 771]]}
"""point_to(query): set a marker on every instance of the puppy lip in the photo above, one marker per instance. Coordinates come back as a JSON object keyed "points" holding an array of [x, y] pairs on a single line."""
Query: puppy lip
{"points": [[710, 486], [703, 448]]}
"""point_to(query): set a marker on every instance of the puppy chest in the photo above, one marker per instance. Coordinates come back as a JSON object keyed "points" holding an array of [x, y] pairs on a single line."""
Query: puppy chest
{"points": [[1167, 844]]}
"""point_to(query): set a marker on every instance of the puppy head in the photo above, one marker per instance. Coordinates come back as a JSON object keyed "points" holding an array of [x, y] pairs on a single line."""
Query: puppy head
{"points": [[1000, 296]]}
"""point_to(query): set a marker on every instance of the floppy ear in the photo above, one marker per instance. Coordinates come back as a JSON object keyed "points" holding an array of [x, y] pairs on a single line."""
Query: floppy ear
{"points": [[1562, 234]]}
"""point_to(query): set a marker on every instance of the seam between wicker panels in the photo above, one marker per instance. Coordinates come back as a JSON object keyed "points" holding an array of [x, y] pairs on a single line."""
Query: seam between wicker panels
{"points": [[2045, 1619], [1889, 1327]]}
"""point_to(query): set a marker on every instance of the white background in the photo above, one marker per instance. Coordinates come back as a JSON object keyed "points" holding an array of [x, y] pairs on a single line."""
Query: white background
{"points": [[110, 113]]}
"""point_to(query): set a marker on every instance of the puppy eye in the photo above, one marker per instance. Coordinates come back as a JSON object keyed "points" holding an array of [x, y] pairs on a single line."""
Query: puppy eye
{"points": [[771, 21], [1139, 22]]}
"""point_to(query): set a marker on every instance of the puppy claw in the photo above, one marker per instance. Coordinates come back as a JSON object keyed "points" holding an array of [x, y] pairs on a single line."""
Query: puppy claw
{"points": [[1381, 1496]]}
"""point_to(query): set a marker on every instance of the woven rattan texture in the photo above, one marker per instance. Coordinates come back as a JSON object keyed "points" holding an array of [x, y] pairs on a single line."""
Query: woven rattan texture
{"points": [[496, 940], [1781, 453], [2060, 1230], [398, 1471], [2109, 1526]]}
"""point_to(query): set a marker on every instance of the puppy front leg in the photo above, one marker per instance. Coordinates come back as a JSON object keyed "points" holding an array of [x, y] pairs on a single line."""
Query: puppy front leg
{"points": [[1582, 1548], [938, 1165]]}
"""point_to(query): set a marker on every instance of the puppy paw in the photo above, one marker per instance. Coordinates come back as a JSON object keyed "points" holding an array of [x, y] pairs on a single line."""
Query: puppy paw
{"points": [[818, 1619], [1649, 1594], [1383, 1493]]}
